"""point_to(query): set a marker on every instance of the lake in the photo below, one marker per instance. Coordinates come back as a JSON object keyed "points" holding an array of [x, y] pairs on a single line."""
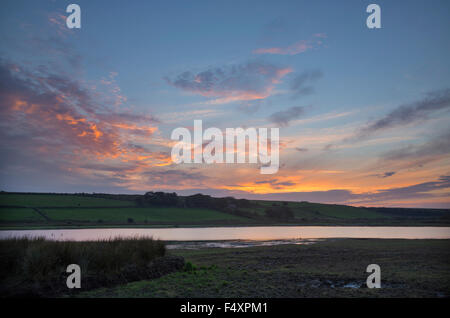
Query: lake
{"points": [[257, 233]]}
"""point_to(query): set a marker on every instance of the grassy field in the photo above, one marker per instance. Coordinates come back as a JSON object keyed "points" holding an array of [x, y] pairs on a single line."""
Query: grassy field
{"points": [[331, 268], [121, 215], [56, 210], [59, 200], [33, 211], [308, 210], [20, 214]]}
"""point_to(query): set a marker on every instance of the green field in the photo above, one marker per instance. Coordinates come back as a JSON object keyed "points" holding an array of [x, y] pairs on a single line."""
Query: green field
{"points": [[19, 214], [57, 210], [121, 215], [25, 210], [59, 200], [308, 210], [338, 211]]}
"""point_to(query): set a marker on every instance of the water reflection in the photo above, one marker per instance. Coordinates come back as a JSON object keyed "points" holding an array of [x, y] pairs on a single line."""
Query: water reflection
{"points": [[262, 233], [235, 244]]}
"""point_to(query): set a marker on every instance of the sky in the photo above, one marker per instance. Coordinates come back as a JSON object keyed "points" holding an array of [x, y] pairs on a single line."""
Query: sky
{"points": [[363, 113]]}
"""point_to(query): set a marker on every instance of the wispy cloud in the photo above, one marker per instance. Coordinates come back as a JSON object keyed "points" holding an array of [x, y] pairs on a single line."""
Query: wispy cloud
{"points": [[435, 148], [282, 118], [385, 175], [241, 82], [301, 84], [296, 48], [408, 113]]}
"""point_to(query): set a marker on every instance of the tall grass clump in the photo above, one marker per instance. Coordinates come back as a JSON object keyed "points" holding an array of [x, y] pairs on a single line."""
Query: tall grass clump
{"points": [[38, 266]]}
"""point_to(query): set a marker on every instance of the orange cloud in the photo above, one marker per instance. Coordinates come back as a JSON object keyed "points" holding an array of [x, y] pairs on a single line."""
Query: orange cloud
{"points": [[294, 49]]}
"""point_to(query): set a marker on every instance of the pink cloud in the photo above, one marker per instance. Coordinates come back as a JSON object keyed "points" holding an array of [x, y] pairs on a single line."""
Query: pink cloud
{"points": [[294, 49]]}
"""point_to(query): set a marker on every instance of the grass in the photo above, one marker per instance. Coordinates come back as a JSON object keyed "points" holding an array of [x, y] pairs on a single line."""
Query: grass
{"points": [[341, 211], [38, 266], [22, 214], [140, 215], [310, 210], [34, 211], [409, 268], [58, 200]]}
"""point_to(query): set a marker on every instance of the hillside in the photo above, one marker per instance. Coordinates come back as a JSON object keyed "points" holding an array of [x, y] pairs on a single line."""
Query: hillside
{"points": [[50, 210]]}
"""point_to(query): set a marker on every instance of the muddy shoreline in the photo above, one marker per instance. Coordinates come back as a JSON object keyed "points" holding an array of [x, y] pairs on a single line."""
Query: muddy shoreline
{"points": [[328, 268]]}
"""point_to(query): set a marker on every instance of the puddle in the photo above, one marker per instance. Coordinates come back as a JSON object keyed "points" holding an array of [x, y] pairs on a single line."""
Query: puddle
{"points": [[327, 283], [352, 285], [236, 243]]}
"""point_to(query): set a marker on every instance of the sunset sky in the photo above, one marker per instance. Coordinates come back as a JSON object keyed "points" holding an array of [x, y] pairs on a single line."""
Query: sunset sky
{"points": [[364, 114]]}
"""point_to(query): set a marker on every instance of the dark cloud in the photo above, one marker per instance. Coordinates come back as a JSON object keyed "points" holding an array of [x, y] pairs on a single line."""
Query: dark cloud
{"points": [[241, 82], [388, 174], [275, 184], [409, 113], [301, 149], [282, 118], [300, 85]]}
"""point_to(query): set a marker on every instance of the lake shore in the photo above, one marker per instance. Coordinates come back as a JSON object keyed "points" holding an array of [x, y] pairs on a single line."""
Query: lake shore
{"points": [[261, 233], [328, 268]]}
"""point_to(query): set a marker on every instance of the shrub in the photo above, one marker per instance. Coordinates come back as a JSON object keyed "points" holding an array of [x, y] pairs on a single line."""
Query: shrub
{"points": [[188, 267]]}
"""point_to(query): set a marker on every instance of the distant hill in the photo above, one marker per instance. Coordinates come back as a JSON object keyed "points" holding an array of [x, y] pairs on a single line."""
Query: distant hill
{"points": [[156, 209]]}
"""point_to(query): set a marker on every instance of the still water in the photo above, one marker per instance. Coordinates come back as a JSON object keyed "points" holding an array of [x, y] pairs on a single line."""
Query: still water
{"points": [[260, 233]]}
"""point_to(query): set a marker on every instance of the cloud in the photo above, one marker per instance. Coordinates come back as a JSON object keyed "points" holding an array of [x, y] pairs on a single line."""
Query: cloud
{"points": [[55, 46], [174, 178], [299, 85], [250, 107], [241, 82], [389, 197], [301, 149], [421, 190], [409, 113], [384, 175], [436, 147], [55, 122], [282, 118], [296, 48], [275, 183], [57, 20], [388, 174]]}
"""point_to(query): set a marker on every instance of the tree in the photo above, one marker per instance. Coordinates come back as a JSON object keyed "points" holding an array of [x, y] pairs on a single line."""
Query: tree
{"points": [[280, 213]]}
